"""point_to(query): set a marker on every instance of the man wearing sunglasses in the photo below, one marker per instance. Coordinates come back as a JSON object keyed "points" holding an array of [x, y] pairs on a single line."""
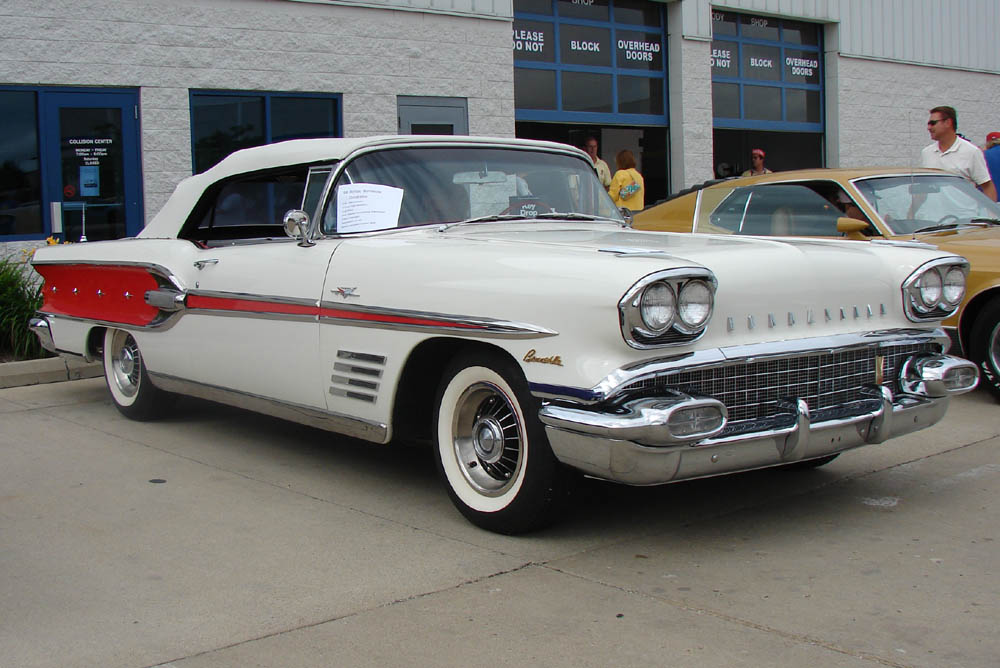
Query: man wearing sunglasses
{"points": [[953, 153]]}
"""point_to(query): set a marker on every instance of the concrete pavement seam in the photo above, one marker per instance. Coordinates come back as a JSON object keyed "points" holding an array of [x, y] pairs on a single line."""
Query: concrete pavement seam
{"points": [[311, 625], [736, 620]]}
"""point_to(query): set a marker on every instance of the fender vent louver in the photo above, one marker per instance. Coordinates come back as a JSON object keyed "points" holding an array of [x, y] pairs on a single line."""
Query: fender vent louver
{"points": [[357, 375]]}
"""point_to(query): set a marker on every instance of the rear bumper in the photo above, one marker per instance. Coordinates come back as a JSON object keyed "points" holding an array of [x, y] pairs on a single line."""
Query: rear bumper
{"points": [[40, 326]]}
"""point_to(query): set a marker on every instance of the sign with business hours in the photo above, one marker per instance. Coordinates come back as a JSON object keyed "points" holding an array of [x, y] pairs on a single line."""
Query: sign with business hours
{"points": [[89, 152]]}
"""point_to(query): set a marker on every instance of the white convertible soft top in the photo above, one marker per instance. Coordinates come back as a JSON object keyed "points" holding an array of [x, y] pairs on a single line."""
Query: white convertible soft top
{"points": [[166, 224]]}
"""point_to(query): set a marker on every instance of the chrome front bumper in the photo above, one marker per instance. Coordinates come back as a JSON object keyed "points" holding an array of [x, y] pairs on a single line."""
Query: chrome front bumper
{"points": [[635, 446]]}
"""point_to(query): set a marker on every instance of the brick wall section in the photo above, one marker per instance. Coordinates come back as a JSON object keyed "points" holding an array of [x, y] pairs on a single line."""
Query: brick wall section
{"points": [[883, 107], [166, 47]]}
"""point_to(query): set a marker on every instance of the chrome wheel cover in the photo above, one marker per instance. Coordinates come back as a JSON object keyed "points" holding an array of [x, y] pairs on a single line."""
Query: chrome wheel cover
{"points": [[488, 439], [993, 348], [126, 363]]}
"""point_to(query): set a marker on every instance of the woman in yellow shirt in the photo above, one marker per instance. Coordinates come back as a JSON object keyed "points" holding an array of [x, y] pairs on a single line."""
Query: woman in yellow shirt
{"points": [[627, 188]]}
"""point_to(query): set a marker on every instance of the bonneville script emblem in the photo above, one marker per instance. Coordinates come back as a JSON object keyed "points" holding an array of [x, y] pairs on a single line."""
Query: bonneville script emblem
{"points": [[530, 356]]}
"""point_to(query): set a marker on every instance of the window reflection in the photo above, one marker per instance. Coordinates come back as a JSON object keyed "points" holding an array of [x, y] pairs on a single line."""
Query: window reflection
{"points": [[762, 103], [586, 92], [223, 123], [640, 95], [535, 89], [20, 185]]}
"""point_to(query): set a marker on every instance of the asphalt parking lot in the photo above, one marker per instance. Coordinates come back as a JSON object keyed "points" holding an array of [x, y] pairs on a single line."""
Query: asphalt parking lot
{"points": [[223, 538]]}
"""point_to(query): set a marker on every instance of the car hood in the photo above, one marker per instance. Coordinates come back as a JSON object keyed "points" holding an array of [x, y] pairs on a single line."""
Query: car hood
{"points": [[968, 237], [778, 255], [790, 288]]}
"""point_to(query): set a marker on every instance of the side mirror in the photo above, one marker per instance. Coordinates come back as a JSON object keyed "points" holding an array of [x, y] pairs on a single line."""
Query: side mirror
{"points": [[297, 226], [851, 228]]}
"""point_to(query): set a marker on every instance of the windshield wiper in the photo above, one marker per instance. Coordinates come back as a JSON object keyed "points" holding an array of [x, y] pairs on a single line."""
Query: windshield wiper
{"points": [[483, 219], [556, 215], [553, 215], [974, 222], [938, 227]]}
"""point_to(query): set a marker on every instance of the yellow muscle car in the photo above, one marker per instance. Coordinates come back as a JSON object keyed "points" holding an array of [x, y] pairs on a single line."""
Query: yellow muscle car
{"points": [[881, 205]]}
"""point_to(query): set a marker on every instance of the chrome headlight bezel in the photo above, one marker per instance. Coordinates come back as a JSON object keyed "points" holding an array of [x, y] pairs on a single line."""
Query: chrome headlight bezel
{"points": [[925, 289], [637, 330]]}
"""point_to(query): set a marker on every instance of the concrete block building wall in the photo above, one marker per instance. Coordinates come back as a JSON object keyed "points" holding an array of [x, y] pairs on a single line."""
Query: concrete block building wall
{"points": [[165, 48], [883, 108]]}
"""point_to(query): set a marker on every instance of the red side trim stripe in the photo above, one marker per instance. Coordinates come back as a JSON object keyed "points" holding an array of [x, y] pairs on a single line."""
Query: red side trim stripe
{"points": [[195, 302]]}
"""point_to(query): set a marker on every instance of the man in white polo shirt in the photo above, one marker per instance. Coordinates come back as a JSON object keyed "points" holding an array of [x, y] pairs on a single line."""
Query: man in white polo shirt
{"points": [[954, 154]]}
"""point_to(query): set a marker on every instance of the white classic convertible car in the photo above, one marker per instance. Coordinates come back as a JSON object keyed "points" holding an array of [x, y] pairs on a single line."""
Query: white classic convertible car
{"points": [[486, 294]]}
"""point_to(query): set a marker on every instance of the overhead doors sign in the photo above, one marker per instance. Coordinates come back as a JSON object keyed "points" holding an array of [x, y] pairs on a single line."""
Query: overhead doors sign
{"points": [[639, 50], [802, 66]]}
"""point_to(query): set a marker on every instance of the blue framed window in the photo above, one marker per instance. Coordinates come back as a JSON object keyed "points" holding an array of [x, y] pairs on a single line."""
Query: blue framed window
{"points": [[600, 61], [224, 121], [766, 73]]}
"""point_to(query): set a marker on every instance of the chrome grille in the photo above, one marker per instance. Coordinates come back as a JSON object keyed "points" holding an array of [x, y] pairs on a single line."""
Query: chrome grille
{"points": [[753, 390]]}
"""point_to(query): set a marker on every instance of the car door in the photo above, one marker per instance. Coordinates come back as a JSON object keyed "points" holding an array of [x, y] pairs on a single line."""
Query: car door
{"points": [[252, 307]]}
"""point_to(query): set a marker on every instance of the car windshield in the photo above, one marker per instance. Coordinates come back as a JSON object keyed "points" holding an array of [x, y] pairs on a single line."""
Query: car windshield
{"points": [[420, 186], [925, 202]]}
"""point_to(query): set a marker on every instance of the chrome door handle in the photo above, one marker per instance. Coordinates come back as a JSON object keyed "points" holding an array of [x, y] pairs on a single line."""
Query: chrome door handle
{"points": [[200, 264]]}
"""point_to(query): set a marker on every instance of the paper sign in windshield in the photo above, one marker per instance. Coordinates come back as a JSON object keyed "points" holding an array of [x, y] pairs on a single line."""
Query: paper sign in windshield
{"points": [[363, 207]]}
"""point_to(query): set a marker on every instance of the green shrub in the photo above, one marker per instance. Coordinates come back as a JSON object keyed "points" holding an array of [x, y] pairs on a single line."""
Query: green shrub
{"points": [[20, 297]]}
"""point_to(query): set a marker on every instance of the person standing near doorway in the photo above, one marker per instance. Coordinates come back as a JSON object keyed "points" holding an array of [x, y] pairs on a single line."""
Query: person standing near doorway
{"points": [[627, 187], [954, 154], [757, 163], [603, 171]]}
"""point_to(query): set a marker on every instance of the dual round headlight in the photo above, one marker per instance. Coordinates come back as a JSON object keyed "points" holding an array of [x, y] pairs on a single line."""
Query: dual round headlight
{"points": [[940, 287], [686, 310]]}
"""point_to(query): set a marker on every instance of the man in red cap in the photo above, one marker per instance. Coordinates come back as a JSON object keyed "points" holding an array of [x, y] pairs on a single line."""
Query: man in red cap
{"points": [[954, 154], [992, 154], [757, 163]]}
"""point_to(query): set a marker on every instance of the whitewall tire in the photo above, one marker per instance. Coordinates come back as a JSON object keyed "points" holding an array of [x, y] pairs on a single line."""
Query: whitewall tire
{"points": [[491, 448], [125, 373]]}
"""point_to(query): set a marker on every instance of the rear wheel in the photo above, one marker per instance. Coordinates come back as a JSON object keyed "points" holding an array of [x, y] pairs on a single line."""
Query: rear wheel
{"points": [[491, 448], [125, 373], [984, 345]]}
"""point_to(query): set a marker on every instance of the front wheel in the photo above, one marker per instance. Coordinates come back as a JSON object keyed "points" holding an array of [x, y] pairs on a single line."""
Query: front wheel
{"points": [[491, 448], [984, 345], [125, 373]]}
